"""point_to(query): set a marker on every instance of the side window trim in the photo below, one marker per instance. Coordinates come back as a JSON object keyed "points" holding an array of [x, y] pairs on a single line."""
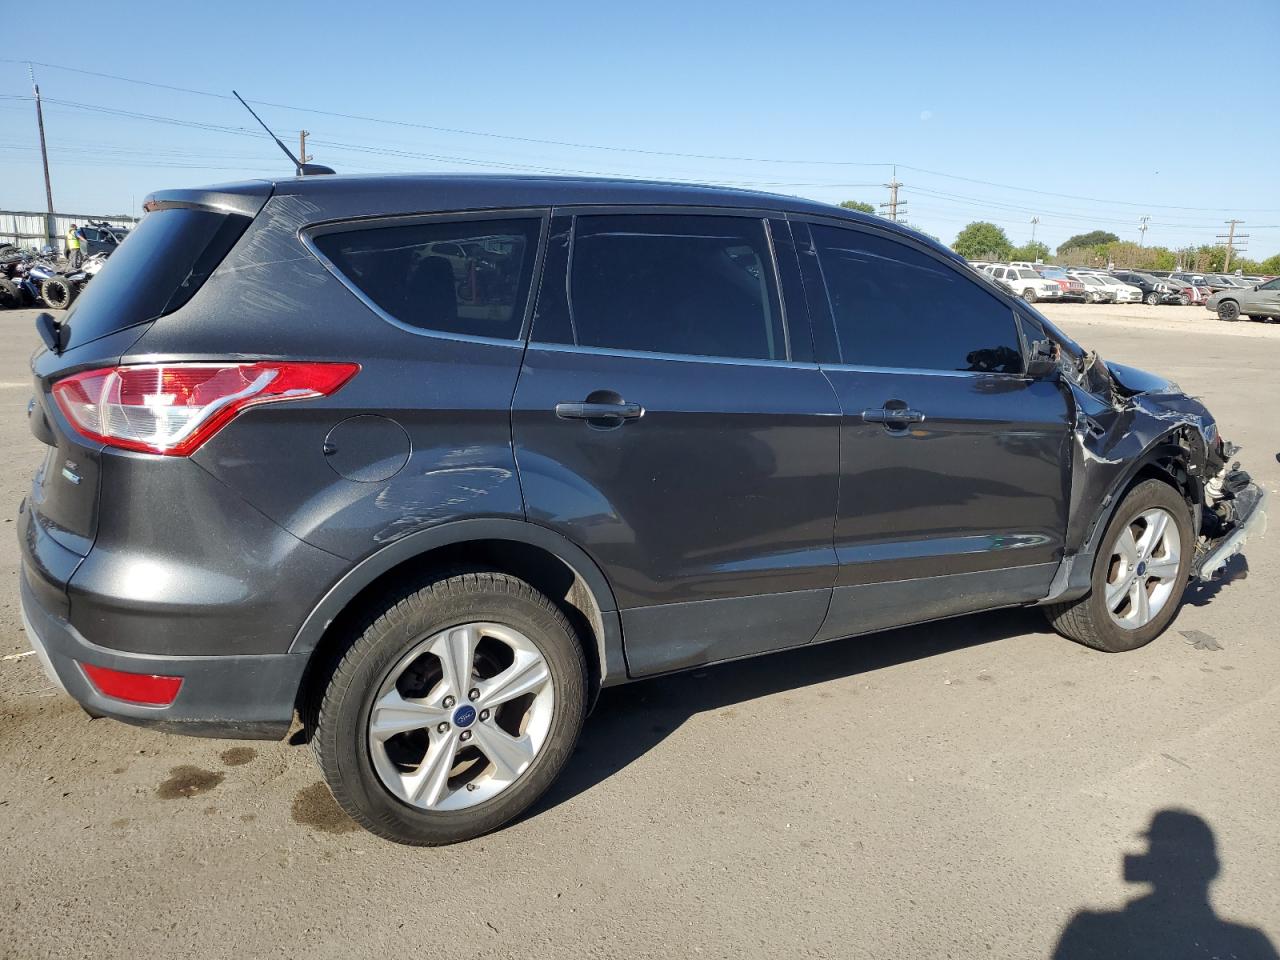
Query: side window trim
{"points": [[573, 212], [308, 233], [997, 293]]}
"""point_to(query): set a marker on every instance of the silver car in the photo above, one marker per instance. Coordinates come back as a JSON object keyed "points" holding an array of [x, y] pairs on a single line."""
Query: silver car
{"points": [[1258, 302]]}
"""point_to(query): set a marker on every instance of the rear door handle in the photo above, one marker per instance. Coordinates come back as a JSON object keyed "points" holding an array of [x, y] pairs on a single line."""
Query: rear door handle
{"points": [[599, 411], [893, 416]]}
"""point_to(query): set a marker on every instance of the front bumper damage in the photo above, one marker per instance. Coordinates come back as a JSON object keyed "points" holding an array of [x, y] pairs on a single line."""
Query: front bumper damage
{"points": [[1249, 519]]}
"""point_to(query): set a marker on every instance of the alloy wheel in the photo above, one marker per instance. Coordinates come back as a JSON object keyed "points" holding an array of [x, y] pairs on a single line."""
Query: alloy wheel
{"points": [[1143, 571], [461, 716]]}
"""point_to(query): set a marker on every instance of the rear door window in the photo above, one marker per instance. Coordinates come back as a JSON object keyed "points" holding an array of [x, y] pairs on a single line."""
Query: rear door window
{"points": [[468, 277], [896, 306], [682, 284]]}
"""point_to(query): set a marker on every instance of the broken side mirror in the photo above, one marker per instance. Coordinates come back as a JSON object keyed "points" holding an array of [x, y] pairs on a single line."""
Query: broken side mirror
{"points": [[1043, 357]]}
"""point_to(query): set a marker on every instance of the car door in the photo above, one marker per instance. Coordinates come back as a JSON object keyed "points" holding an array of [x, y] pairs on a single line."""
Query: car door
{"points": [[955, 480], [1265, 301], [669, 419]]}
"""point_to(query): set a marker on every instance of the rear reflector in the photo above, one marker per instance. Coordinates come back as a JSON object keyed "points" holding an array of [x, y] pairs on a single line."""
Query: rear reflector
{"points": [[148, 689], [173, 408]]}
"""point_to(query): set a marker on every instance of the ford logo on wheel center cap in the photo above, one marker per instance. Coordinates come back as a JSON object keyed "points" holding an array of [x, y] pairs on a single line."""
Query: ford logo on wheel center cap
{"points": [[464, 716]]}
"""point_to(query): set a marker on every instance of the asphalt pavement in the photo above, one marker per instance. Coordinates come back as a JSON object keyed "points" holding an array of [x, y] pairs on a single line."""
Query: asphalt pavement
{"points": [[971, 788]]}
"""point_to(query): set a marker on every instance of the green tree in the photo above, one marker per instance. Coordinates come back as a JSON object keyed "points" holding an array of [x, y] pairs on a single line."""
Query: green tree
{"points": [[1031, 252], [859, 206], [1271, 265], [981, 240], [1093, 238]]}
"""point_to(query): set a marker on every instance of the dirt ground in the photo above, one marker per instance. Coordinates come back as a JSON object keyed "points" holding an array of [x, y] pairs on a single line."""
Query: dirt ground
{"points": [[961, 789]]}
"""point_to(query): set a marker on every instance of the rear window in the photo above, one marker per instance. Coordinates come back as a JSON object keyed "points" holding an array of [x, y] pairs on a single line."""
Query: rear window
{"points": [[157, 269], [467, 277]]}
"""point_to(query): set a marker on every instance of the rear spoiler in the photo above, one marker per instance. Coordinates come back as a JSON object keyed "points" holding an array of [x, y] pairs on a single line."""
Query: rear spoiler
{"points": [[244, 199]]}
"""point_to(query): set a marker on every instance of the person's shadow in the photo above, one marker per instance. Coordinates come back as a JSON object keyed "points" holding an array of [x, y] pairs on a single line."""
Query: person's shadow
{"points": [[1175, 919]]}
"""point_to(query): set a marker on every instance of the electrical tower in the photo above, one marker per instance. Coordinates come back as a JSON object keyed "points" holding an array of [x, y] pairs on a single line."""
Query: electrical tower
{"points": [[894, 207], [302, 146], [1142, 229], [1035, 221], [1231, 237]]}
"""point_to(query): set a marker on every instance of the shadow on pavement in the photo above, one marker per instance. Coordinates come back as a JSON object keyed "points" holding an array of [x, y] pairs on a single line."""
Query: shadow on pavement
{"points": [[1174, 919], [631, 720]]}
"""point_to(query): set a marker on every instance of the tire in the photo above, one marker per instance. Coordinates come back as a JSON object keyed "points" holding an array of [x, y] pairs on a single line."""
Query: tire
{"points": [[1029, 295], [1152, 299], [1184, 300], [1228, 310], [58, 292], [1089, 620], [10, 294], [361, 767]]}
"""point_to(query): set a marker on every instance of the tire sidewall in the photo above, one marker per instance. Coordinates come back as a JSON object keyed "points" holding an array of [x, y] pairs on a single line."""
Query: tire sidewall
{"points": [[1145, 496], [342, 729]]}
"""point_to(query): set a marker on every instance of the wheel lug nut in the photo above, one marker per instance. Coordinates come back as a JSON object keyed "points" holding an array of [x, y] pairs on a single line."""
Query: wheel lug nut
{"points": [[442, 728], [449, 702], [475, 693], [471, 786], [484, 714], [465, 736]]}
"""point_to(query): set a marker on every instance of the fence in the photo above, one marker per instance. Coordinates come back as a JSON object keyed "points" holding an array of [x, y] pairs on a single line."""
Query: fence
{"points": [[34, 229]]}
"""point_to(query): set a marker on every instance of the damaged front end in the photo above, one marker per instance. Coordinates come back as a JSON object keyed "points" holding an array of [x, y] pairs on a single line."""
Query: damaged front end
{"points": [[1130, 425]]}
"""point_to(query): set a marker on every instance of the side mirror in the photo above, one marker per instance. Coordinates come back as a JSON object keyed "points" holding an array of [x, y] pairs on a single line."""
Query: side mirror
{"points": [[1043, 357]]}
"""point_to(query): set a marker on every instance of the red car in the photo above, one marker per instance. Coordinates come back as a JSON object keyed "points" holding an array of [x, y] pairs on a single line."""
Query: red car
{"points": [[1072, 289]]}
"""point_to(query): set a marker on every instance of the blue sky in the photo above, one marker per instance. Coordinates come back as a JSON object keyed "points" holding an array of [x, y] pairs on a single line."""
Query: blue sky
{"points": [[1088, 116]]}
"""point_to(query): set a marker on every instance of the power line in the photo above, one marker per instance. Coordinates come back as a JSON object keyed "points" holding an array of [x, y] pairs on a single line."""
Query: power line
{"points": [[630, 150]]}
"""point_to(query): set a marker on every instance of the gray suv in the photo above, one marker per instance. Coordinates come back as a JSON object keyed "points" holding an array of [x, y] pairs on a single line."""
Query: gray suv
{"points": [[427, 461]]}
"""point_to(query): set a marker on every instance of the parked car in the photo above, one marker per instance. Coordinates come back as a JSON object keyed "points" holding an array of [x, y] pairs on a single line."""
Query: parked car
{"points": [[1120, 292], [1261, 302], [1072, 288], [435, 529], [1222, 281], [1026, 283], [101, 237], [1154, 290], [1095, 291]]}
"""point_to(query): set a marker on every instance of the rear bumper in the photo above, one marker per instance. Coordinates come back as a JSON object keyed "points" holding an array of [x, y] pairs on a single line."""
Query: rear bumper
{"points": [[249, 697], [1251, 504]]}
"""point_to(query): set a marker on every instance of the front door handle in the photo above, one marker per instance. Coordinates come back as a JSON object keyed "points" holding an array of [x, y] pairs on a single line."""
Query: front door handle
{"points": [[611, 412], [893, 416]]}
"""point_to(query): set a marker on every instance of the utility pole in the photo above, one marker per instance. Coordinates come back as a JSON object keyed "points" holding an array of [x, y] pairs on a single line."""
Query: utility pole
{"points": [[302, 146], [1142, 229], [893, 206], [44, 156], [1231, 237], [1034, 222]]}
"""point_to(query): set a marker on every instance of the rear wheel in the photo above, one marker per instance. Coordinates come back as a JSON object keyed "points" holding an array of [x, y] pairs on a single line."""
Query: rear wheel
{"points": [[58, 292], [1228, 310], [1139, 574], [453, 710]]}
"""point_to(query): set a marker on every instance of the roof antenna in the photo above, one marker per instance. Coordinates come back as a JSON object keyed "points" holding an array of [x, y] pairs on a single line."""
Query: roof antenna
{"points": [[302, 169]]}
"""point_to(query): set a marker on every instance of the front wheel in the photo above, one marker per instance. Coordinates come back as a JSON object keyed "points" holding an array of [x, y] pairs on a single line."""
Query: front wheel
{"points": [[1153, 299], [1228, 310], [1029, 295], [452, 710], [1183, 300], [1139, 574]]}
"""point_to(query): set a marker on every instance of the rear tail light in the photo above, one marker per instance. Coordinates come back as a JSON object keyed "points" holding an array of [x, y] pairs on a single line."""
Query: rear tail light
{"points": [[148, 689], [173, 408]]}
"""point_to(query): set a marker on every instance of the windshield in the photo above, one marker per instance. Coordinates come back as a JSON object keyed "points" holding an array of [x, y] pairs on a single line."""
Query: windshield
{"points": [[1054, 274], [1028, 275]]}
